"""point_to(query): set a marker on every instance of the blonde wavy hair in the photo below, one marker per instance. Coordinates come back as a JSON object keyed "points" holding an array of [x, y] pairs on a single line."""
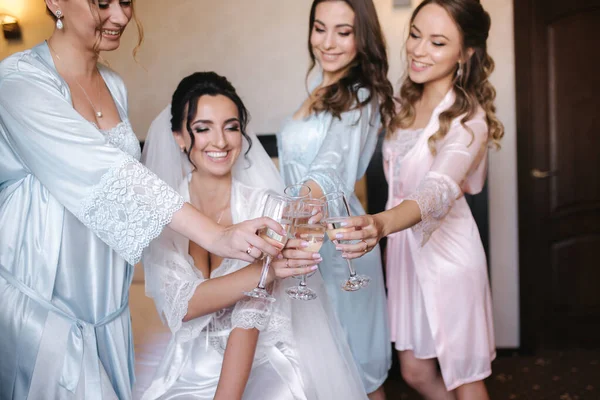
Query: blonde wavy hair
{"points": [[472, 87]]}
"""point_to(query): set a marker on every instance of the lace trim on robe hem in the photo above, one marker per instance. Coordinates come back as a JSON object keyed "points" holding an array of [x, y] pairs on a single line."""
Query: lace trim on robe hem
{"points": [[435, 196], [129, 208]]}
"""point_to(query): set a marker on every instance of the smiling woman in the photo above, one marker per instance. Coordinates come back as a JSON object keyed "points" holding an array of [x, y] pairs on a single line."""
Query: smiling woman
{"points": [[328, 143], [74, 221]]}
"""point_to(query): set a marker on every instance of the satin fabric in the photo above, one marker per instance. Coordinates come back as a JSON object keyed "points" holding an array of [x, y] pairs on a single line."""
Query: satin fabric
{"points": [[335, 153], [191, 365], [64, 322], [439, 295]]}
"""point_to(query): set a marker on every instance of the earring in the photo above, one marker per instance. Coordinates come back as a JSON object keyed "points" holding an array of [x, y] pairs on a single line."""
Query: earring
{"points": [[182, 149], [459, 71], [59, 23]]}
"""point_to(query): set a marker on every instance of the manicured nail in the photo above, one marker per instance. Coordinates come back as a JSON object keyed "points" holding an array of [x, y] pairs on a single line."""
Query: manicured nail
{"points": [[314, 267], [311, 221], [344, 224], [304, 244], [279, 256], [339, 235], [338, 248], [316, 256]]}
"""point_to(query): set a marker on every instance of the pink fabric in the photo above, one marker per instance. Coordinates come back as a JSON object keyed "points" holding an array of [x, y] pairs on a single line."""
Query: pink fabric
{"points": [[438, 289]]}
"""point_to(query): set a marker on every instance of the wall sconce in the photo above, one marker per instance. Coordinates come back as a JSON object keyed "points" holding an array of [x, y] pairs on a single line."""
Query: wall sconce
{"points": [[10, 27], [401, 3]]}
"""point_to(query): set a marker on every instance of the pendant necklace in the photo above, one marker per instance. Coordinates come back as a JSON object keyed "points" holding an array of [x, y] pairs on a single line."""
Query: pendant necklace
{"points": [[97, 112]]}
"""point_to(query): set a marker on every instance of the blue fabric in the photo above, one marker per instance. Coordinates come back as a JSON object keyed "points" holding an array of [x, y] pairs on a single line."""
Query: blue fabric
{"points": [[335, 153]]}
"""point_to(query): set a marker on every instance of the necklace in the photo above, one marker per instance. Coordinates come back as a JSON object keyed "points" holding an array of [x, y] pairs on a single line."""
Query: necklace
{"points": [[97, 112]]}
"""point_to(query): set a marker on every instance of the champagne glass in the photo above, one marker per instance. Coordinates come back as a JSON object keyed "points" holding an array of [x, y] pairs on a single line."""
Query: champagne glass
{"points": [[312, 231], [337, 211], [279, 208], [297, 191]]}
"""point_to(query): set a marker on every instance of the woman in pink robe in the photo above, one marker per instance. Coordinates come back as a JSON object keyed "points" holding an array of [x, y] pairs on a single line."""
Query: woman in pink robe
{"points": [[436, 150]]}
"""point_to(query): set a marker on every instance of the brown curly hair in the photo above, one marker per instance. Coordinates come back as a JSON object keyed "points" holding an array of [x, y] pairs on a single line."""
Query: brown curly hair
{"points": [[472, 87], [368, 70]]}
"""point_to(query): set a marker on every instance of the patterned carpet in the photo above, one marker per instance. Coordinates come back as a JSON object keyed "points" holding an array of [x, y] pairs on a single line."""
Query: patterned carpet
{"points": [[551, 375]]}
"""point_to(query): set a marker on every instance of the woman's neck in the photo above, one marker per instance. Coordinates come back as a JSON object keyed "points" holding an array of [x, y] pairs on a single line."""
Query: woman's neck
{"points": [[329, 78], [211, 194], [434, 92], [71, 58]]}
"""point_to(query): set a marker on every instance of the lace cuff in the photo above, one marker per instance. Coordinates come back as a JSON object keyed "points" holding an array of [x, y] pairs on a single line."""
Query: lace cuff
{"points": [[129, 207], [435, 196], [251, 313]]}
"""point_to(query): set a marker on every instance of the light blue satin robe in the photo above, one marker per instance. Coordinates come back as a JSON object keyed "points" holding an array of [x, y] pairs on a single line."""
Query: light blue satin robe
{"points": [[335, 154], [76, 211]]}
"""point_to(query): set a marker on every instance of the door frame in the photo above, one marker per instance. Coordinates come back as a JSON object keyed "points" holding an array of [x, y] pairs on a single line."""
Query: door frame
{"points": [[529, 212]]}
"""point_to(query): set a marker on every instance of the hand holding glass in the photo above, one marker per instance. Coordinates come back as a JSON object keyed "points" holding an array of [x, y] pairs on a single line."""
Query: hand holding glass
{"points": [[337, 211], [279, 208]]}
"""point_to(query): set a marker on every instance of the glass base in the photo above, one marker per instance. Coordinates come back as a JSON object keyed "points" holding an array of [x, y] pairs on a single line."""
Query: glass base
{"points": [[259, 293], [301, 293], [356, 282]]}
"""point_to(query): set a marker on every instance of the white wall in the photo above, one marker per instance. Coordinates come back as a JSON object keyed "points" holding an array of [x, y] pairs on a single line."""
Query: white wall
{"points": [[261, 47]]}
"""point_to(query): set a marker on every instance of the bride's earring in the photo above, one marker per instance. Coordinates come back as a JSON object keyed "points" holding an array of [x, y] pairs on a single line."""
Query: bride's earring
{"points": [[59, 23]]}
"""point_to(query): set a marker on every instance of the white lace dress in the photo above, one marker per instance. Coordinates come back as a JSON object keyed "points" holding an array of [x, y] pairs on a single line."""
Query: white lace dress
{"points": [[192, 363]]}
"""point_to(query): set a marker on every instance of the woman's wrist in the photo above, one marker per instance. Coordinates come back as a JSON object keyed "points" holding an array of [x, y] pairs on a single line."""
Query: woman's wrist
{"points": [[382, 222]]}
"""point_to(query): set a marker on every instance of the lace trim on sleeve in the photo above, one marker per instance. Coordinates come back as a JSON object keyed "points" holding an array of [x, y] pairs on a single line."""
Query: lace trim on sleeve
{"points": [[435, 196], [251, 313], [178, 287], [129, 207]]}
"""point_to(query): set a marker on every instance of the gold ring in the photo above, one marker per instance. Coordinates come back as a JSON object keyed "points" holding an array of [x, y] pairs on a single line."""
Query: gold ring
{"points": [[249, 249], [366, 245]]}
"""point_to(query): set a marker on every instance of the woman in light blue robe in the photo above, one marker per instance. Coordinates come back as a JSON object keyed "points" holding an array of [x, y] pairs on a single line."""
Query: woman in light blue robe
{"points": [[76, 211], [328, 144]]}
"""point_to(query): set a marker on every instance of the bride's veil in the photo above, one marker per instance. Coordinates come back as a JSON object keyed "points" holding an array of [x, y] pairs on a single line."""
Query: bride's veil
{"points": [[326, 365]]}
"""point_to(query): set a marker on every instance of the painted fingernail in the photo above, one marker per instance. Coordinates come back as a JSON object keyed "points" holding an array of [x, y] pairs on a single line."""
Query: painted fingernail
{"points": [[344, 224], [279, 256], [316, 256], [314, 267], [338, 248], [311, 221], [304, 244], [339, 235]]}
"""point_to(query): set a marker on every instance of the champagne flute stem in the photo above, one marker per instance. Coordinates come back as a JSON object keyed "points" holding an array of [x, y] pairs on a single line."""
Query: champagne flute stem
{"points": [[264, 272], [302, 281], [351, 268]]}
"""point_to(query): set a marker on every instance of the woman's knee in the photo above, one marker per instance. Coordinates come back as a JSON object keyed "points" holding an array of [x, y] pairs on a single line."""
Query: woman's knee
{"points": [[418, 373]]}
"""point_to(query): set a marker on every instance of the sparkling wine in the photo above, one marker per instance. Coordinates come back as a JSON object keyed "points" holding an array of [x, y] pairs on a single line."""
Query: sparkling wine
{"points": [[313, 234], [275, 238]]}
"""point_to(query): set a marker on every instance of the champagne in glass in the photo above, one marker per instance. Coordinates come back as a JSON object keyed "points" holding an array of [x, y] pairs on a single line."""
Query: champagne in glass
{"points": [[309, 228], [337, 211], [278, 208]]}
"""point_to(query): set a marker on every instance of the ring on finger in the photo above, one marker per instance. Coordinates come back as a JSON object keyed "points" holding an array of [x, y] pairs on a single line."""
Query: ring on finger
{"points": [[366, 246], [249, 249]]}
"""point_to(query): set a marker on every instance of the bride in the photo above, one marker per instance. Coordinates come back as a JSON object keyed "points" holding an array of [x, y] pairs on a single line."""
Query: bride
{"points": [[225, 345]]}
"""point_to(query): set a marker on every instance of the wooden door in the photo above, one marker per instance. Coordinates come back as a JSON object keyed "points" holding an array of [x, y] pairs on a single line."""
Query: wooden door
{"points": [[557, 45]]}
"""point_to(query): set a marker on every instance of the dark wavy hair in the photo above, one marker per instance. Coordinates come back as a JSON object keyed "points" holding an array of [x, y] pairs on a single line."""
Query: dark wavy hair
{"points": [[368, 70], [189, 91], [94, 10], [472, 87]]}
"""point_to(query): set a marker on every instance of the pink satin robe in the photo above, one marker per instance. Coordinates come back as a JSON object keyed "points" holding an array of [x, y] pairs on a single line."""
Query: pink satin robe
{"points": [[438, 289]]}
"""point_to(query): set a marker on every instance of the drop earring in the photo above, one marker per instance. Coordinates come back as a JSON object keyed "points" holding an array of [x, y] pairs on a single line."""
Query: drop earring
{"points": [[59, 23], [459, 71]]}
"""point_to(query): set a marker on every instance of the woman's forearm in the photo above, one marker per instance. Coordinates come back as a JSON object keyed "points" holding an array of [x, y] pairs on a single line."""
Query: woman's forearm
{"points": [[218, 293], [399, 218], [188, 219], [237, 363]]}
